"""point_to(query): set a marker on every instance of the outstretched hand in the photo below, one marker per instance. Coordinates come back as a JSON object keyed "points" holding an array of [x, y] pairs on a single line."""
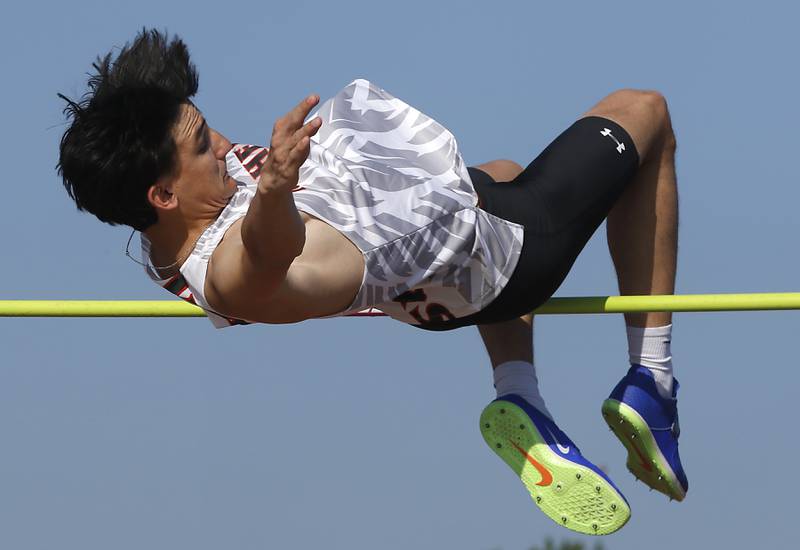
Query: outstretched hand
{"points": [[289, 147]]}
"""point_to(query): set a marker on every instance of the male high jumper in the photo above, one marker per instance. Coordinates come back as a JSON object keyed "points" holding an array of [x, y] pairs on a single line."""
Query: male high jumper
{"points": [[368, 204]]}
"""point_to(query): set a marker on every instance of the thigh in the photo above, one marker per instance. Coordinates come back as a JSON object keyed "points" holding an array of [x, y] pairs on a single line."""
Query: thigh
{"points": [[560, 199], [579, 176]]}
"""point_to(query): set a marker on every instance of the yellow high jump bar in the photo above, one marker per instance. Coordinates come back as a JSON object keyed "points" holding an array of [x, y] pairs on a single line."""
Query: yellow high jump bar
{"points": [[582, 304]]}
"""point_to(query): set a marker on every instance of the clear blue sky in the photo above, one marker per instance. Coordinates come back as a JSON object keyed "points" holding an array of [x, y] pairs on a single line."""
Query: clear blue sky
{"points": [[354, 433]]}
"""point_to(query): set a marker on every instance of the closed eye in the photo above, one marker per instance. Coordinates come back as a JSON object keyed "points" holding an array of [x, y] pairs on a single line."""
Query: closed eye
{"points": [[203, 138], [204, 145]]}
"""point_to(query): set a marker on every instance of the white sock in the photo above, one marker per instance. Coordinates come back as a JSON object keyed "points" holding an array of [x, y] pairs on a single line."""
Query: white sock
{"points": [[519, 377], [650, 347]]}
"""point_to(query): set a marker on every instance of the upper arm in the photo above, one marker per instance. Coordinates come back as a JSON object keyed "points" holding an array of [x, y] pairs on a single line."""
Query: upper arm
{"points": [[235, 286], [319, 282]]}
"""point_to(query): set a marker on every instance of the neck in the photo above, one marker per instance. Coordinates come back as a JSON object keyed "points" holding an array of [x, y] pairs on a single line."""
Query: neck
{"points": [[172, 240]]}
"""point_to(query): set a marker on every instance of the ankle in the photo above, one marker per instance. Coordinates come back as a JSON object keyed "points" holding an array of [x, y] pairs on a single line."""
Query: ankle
{"points": [[519, 378], [650, 347]]}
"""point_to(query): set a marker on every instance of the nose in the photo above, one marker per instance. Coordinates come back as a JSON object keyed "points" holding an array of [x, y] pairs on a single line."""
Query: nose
{"points": [[220, 145]]}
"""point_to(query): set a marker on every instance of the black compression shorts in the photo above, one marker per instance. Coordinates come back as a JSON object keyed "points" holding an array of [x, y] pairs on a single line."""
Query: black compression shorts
{"points": [[560, 199]]}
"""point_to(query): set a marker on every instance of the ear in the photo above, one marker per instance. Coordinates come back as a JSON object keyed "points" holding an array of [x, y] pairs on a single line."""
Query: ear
{"points": [[160, 195]]}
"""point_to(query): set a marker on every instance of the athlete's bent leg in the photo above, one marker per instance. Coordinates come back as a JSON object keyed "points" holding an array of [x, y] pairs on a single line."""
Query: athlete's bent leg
{"points": [[519, 429], [642, 231], [642, 227], [511, 340], [510, 343]]}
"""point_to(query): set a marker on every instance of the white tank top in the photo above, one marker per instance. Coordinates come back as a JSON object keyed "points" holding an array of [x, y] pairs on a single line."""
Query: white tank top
{"points": [[392, 181]]}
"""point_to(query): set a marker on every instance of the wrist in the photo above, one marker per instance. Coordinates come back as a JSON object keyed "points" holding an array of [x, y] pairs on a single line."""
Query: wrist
{"points": [[274, 191]]}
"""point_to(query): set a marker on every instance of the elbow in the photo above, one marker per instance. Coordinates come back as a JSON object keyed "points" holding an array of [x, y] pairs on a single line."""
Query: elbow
{"points": [[292, 245], [301, 242]]}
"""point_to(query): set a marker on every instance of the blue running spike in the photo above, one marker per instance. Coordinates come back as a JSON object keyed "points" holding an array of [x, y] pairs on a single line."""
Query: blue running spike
{"points": [[647, 425]]}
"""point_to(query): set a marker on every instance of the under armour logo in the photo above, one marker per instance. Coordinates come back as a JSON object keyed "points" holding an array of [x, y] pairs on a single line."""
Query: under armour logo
{"points": [[620, 145]]}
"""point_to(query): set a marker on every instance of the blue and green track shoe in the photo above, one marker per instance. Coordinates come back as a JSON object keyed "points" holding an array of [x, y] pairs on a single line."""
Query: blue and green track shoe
{"points": [[569, 489], [647, 425]]}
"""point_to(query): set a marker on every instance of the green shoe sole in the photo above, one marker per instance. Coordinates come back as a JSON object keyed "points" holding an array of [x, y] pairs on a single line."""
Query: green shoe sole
{"points": [[572, 495], [645, 460]]}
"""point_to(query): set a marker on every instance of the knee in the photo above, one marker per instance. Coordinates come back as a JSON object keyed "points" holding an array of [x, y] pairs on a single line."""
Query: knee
{"points": [[652, 106], [502, 169], [508, 169], [656, 105]]}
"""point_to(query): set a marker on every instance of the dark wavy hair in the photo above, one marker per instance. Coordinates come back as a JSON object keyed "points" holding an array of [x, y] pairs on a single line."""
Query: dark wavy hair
{"points": [[120, 138]]}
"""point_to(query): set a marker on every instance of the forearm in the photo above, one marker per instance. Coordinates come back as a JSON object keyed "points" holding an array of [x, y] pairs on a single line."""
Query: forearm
{"points": [[273, 233]]}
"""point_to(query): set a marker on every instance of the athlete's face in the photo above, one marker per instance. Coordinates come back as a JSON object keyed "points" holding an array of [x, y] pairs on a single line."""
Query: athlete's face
{"points": [[200, 183]]}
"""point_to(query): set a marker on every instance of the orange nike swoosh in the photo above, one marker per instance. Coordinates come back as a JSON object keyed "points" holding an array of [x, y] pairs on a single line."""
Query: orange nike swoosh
{"points": [[645, 463], [547, 477]]}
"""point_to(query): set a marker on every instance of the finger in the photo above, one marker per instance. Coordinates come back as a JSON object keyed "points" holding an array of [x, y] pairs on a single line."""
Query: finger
{"points": [[293, 120], [289, 142], [299, 153], [309, 129]]}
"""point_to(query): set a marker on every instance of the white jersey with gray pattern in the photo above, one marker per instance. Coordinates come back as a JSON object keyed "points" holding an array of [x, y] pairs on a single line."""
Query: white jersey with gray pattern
{"points": [[392, 180]]}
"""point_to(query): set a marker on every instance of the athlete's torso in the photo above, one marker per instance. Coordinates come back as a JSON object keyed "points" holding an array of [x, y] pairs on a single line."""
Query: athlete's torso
{"points": [[386, 195]]}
